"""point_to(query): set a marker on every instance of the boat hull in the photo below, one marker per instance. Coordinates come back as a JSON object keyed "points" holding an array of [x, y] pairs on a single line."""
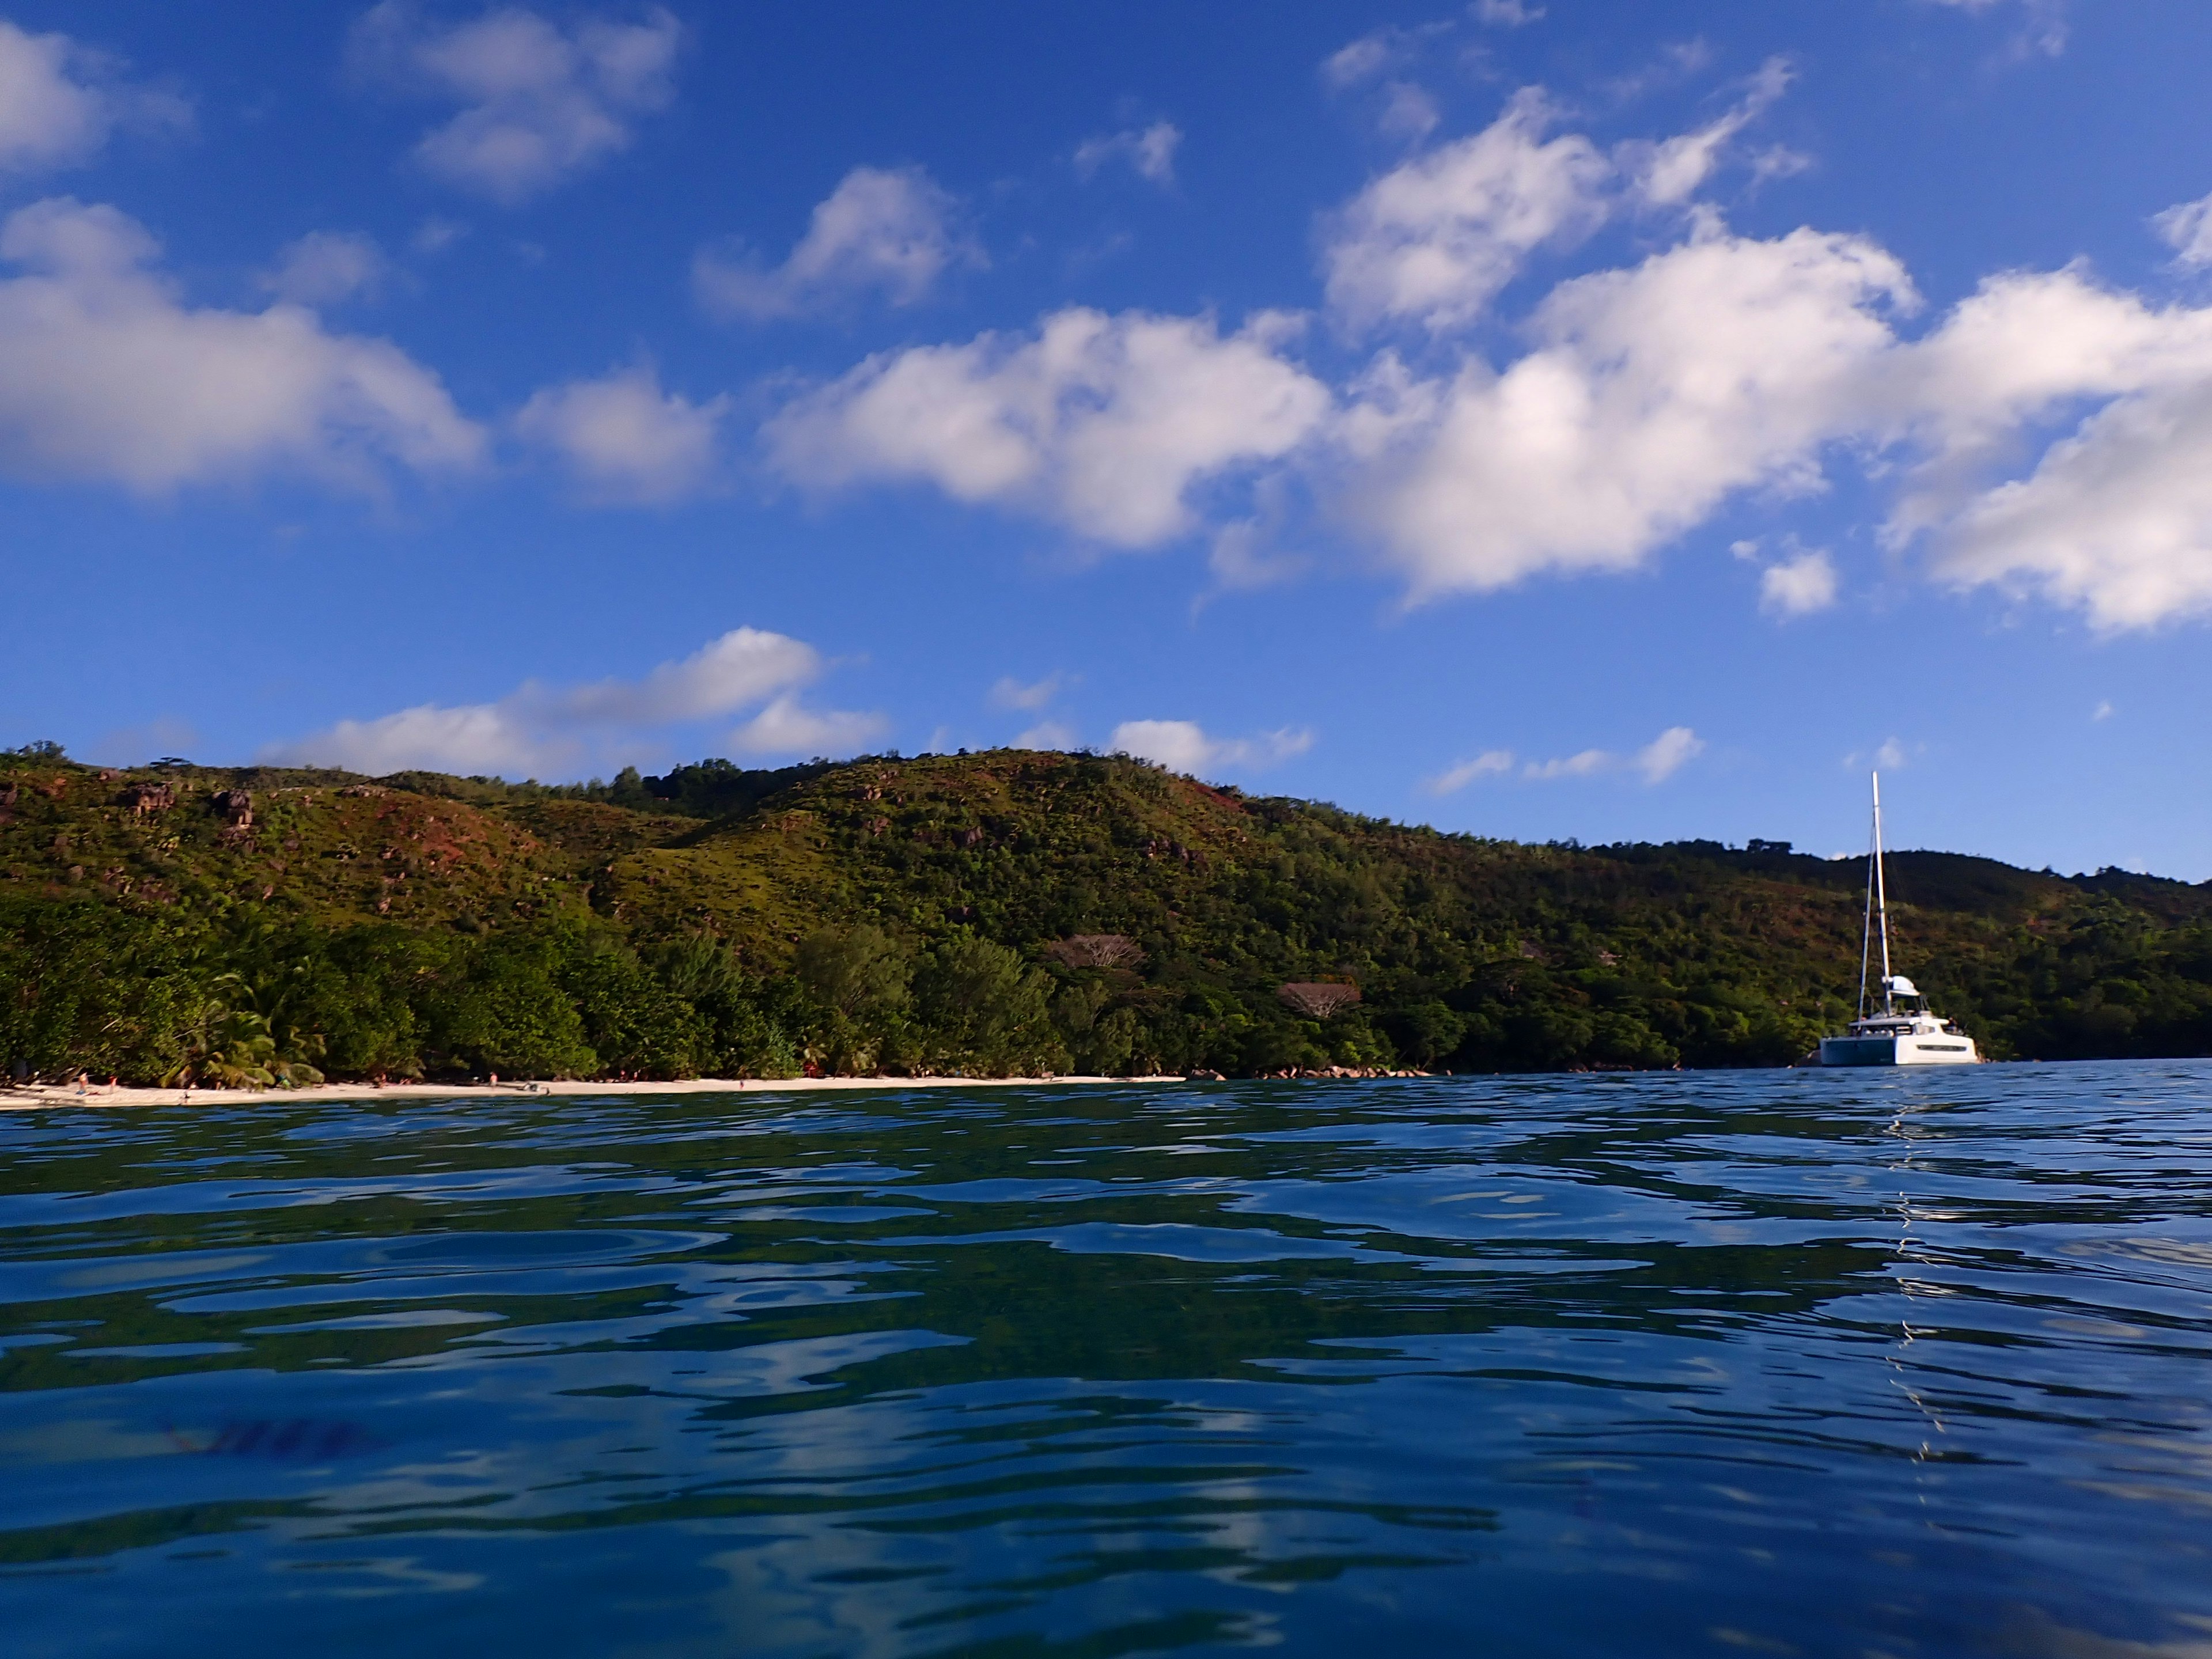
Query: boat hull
{"points": [[1914, 1050]]}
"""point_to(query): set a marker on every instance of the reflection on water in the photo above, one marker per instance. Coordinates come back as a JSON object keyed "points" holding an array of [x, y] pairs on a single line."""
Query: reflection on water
{"points": [[1776, 1363]]}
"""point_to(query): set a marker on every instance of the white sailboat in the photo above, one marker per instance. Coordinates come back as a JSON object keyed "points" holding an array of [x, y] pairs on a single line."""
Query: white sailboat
{"points": [[1905, 1032]]}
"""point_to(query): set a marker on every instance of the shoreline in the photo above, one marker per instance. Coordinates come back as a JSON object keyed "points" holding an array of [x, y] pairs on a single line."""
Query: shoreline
{"points": [[32, 1097]]}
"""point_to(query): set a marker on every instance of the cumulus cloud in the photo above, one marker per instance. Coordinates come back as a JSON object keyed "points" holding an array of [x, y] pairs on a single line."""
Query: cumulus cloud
{"points": [[884, 231], [1103, 424], [1506, 14], [1150, 150], [1046, 734], [742, 666], [2046, 435], [540, 730], [1653, 394], [60, 101], [2187, 229], [1491, 763], [1799, 586], [105, 373], [327, 268], [625, 438], [1434, 240], [2115, 518], [787, 727], [539, 101], [1183, 746]]}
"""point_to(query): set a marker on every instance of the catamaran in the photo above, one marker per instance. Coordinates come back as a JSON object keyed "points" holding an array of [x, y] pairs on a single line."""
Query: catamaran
{"points": [[1905, 1032]]}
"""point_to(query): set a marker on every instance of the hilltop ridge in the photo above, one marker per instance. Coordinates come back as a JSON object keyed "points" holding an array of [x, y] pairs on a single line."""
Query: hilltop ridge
{"points": [[915, 914]]}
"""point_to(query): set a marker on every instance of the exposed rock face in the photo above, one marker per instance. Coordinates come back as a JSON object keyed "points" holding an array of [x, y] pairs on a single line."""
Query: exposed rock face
{"points": [[235, 804], [144, 797]]}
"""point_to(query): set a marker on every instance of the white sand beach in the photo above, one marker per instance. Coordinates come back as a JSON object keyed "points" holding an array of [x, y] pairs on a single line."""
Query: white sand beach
{"points": [[24, 1097]]}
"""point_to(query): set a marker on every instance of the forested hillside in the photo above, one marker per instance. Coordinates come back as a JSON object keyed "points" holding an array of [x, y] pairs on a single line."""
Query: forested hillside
{"points": [[1006, 912]]}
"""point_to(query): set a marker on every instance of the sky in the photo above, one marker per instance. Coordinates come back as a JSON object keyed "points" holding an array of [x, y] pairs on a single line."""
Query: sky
{"points": [[1595, 419]]}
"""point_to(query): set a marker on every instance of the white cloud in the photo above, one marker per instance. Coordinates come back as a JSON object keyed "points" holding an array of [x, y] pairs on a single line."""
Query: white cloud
{"points": [[1011, 693], [545, 731], [1670, 172], [1105, 424], [1434, 240], [2115, 519], [1241, 558], [1046, 734], [2103, 711], [1491, 763], [105, 374], [742, 666], [1183, 746], [1151, 150], [1654, 394], [1798, 587], [1891, 756], [881, 230], [60, 101], [1647, 397], [625, 439], [1667, 753], [435, 235], [1588, 764], [2042, 22], [1656, 762], [1388, 49], [475, 740], [1506, 14], [2187, 229], [328, 267], [785, 728], [539, 101], [1408, 111]]}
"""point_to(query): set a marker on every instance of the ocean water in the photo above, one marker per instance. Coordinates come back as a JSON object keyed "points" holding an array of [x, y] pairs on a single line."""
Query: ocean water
{"points": [[1776, 1363]]}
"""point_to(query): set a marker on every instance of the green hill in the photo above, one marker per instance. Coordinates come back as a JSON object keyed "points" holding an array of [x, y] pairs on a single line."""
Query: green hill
{"points": [[1010, 911]]}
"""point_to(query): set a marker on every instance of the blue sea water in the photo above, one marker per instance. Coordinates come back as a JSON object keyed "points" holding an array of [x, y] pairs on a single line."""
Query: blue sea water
{"points": [[1770, 1363]]}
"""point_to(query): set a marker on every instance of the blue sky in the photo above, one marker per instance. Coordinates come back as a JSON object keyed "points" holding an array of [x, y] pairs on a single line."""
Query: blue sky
{"points": [[1604, 419]]}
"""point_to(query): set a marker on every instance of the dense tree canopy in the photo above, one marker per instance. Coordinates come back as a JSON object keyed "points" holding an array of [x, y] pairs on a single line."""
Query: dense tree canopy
{"points": [[1007, 912]]}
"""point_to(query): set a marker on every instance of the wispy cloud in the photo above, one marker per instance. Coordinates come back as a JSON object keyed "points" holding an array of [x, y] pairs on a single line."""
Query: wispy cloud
{"points": [[540, 101], [1184, 746], [882, 231], [327, 268], [1011, 693], [1491, 763], [60, 101], [1151, 151], [1656, 762], [540, 730]]}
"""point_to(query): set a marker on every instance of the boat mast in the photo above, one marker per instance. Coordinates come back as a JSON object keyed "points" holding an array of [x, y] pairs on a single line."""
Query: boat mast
{"points": [[1881, 901], [1866, 926]]}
